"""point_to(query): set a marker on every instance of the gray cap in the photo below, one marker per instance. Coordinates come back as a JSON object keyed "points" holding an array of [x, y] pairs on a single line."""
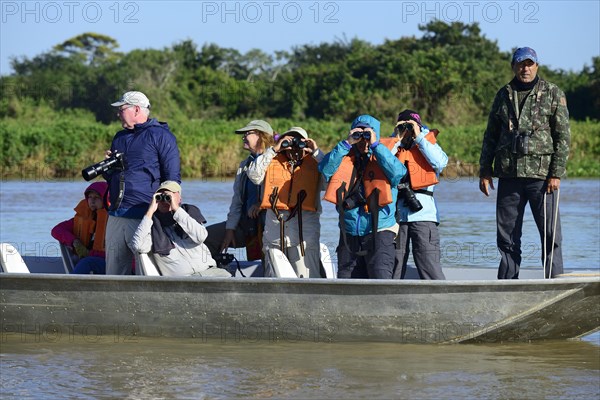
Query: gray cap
{"points": [[134, 99], [297, 130], [257, 125]]}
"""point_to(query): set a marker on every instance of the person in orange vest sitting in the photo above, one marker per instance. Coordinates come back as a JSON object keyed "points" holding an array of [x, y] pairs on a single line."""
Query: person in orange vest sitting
{"points": [[363, 176], [417, 213], [84, 233], [291, 185]]}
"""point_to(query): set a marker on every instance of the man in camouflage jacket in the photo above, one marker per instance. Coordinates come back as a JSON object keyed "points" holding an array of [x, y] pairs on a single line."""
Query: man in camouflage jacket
{"points": [[527, 140]]}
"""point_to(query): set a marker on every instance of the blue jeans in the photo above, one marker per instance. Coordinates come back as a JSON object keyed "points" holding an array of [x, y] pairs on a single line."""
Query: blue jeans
{"points": [[97, 265]]}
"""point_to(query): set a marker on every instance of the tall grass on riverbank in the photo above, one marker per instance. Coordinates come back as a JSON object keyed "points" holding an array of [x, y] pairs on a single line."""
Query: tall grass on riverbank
{"points": [[44, 143]]}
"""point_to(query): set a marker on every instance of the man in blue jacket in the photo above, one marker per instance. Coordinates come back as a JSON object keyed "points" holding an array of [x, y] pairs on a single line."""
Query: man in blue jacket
{"points": [[149, 155], [363, 176]]}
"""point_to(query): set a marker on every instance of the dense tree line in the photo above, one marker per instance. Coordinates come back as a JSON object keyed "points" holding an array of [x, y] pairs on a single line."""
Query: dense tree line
{"points": [[450, 75]]}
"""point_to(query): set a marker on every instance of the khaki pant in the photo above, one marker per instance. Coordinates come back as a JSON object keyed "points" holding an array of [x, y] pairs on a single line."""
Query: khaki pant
{"points": [[119, 255]]}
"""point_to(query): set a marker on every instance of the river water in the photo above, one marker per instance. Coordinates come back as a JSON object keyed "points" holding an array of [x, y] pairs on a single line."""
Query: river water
{"points": [[38, 366]]}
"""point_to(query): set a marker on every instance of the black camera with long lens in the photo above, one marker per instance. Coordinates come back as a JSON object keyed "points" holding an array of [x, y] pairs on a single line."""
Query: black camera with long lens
{"points": [[115, 161], [295, 142], [163, 197], [361, 134], [408, 196], [356, 199]]}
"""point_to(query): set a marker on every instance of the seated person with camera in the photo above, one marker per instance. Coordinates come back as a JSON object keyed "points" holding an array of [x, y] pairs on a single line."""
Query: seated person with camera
{"points": [[174, 234], [84, 233], [416, 211], [291, 186], [363, 176]]}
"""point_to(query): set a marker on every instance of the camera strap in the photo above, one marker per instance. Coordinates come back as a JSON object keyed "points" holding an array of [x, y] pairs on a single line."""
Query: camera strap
{"points": [[356, 178], [273, 200], [297, 209], [340, 195], [373, 203], [115, 206]]}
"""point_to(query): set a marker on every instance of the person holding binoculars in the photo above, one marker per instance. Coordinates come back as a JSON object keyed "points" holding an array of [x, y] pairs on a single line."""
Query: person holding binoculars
{"points": [[173, 233], [363, 176], [291, 185], [141, 156], [416, 212]]}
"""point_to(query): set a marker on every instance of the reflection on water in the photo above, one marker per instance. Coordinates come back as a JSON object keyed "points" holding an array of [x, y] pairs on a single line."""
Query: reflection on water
{"points": [[159, 368], [196, 369]]}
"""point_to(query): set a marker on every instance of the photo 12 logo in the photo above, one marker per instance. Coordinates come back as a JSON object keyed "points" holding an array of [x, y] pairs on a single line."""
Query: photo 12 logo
{"points": [[470, 11], [70, 11], [270, 11]]}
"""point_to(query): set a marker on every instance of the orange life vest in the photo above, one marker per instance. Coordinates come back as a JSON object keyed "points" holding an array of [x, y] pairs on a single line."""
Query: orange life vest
{"points": [[373, 178], [421, 173], [85, 226], [290, 183]]}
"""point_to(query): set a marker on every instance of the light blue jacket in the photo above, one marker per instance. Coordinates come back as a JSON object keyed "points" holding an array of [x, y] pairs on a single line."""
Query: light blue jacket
{"points": [[438, 160], [358, 222]]}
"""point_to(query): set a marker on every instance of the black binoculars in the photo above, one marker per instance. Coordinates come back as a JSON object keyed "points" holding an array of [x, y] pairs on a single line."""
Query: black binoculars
{"points": [[520, 143], [405, 127], [163, 197], [361, 134], [295, 142]]}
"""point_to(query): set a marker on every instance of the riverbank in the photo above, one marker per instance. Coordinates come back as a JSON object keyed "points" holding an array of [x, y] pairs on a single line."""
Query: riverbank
{"points": [[59, 145]]}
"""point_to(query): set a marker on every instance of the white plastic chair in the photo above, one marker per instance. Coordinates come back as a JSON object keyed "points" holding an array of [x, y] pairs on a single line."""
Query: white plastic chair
{"points": [[329, 265], [11, 261], [67, 258], [147, 266], [281, 265]]}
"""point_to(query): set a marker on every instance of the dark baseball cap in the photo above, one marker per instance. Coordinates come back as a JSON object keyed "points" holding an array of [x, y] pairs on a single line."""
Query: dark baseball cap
{"points": [[524, 53]]}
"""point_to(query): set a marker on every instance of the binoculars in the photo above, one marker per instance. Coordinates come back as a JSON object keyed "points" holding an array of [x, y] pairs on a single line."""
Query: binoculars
{"points": [[163, 197], [361, 134], [295, 142], [405, 127]]}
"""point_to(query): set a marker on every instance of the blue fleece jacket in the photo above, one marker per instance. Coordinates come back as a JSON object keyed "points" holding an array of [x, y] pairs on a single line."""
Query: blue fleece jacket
{"points": [[357, 220], [151, 156], [438, 160]]}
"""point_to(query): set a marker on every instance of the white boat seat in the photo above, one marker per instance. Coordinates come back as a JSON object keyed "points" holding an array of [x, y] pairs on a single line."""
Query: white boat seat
{"points": [[11, 261], [280, 264], [146, 265], [67, 258], [329, 265]]}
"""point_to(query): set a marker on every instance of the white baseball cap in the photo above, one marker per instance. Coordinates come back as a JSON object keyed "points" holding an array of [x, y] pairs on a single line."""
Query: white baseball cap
{"points": [[134, 99]]}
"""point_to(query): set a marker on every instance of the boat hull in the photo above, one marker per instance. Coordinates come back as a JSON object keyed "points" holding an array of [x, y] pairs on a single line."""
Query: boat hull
{"points": [[255, 309]]}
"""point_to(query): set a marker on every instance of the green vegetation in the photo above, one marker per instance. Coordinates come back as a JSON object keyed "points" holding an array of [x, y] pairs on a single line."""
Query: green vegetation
{"points": [[55, 109]]}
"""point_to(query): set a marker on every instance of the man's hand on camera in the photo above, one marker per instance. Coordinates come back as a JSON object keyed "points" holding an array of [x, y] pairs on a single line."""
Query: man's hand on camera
{"points": [[228, 240]]}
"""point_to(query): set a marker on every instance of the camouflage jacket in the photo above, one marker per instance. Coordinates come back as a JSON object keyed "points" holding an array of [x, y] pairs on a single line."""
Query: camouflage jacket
{"points": [[544, 118]]}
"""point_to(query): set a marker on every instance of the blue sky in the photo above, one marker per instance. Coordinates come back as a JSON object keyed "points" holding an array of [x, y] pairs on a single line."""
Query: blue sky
{"points": [[566, 34]]}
